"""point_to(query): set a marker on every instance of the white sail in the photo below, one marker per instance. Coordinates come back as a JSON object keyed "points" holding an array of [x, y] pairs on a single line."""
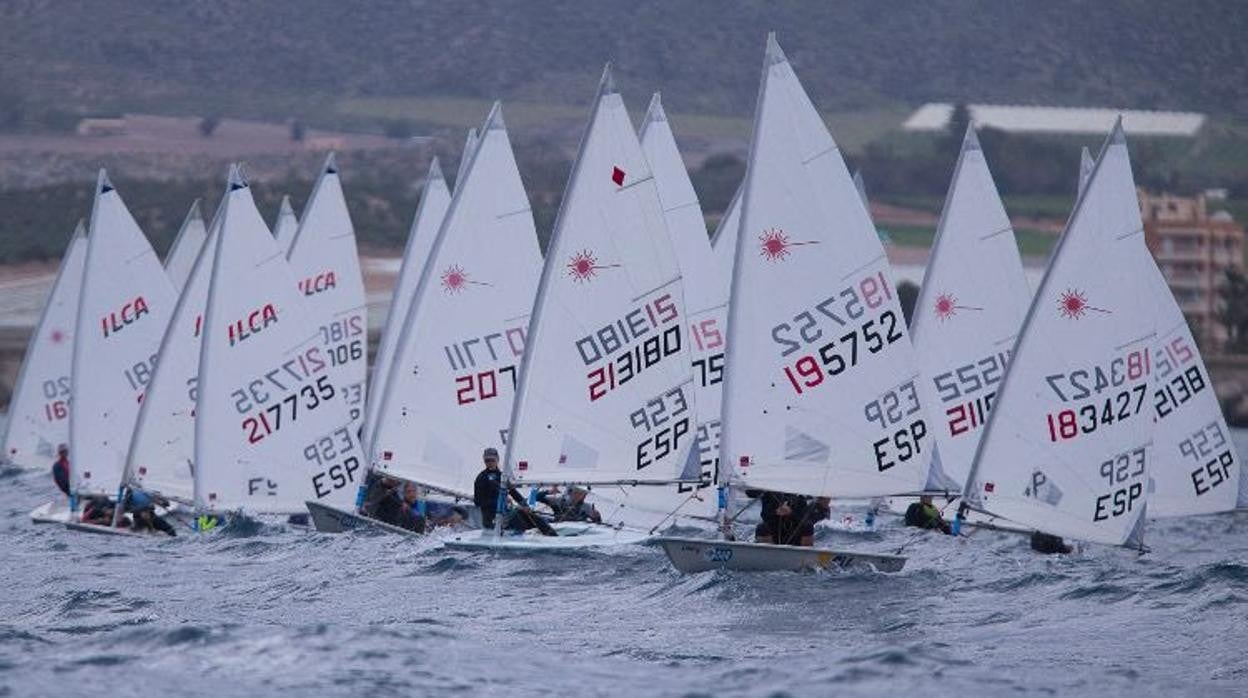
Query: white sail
{"points": [[453, 380], [162, 451], [724, 241], [605, 392], [1086, 163], [968, 313], [326, 265], [38, 415], [1068, 445], [434, 201], [470, 146], [861, 185], [286, 225], [821, 393], [271, 431], [124, 307], [186, 247], [706, 294]]}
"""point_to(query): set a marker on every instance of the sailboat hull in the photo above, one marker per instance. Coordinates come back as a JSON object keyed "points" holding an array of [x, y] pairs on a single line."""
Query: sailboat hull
{"points": [[572, 536], [53, 512], [690, 555], [327, 519]]}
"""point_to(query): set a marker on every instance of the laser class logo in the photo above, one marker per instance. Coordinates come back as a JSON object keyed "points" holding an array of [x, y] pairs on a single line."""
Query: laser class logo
{"points": [[584, 266], [455, 279], [775, 244], [1073, 304], [947, 306]]}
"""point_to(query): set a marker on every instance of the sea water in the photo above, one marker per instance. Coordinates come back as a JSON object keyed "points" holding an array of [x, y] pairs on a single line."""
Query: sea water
{"points": [[268, 610]]}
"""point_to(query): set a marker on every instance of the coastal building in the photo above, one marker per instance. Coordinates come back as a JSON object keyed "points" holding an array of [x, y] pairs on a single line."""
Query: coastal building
{"points": [[1194, 249]]}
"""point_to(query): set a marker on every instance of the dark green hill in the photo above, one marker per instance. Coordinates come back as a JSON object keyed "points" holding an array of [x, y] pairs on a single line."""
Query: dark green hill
{"points": [[281, 59]]}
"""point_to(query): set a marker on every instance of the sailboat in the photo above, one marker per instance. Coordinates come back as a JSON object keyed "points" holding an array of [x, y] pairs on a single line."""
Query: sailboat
{"points": [[286, 225], [967, 316], [1069, 443], [434, 201], [820, 394], [605, 395], [271, 428], [162, 451], [124, 306], [326, 264], [38, 417], [453, 378], [186, 247]]}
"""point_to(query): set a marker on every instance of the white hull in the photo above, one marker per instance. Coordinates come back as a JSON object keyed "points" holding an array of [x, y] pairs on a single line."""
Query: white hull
{"points": [[327, 519], [700, 555], [54, 512], [109, 530], [572, 536]]}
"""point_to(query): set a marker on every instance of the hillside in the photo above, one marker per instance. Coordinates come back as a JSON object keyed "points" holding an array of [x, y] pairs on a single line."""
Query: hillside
{"points": [[306, 59]]}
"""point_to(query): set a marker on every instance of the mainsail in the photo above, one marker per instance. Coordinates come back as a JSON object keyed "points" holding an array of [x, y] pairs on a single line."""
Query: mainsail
{"points": [[724, 241], [969, 311], [1068, 444], [38, 416], [162, 452], [1197, 469], [271, 430], [706, 294], [470, 146], [434, 201], [186, 247], [286, 225], [605, 391], [326, 265], [821, 388], [450, 390], [124, 306]]}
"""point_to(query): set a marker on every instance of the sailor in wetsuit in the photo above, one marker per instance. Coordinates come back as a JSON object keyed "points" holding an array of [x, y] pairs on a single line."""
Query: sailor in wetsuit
{"points": [[571, 506], [60, 469], [787, 519], [924, 514], [485, 496], [1049, 544]]}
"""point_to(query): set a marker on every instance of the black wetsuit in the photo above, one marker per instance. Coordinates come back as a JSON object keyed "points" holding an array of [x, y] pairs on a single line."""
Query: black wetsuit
{"points": [[60, 473], [389, 509], [920, 515], [1049, 544], [785, 530]]}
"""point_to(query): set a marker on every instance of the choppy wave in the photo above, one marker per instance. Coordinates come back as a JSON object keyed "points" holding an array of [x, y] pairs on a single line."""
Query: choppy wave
{"points": [[262, 608]]}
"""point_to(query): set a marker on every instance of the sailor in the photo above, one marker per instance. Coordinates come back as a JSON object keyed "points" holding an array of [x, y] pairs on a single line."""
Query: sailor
{"points": [[786, 519], [97, 509], [60, 468], [386, 504], [379, 488], [1047, 544], [485, 495], [413, 515], [142, 508], [571, 506], [924, 514]]}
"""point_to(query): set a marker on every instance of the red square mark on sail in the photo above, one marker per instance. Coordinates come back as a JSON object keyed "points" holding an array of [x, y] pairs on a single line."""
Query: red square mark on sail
{"points": [[523, 465], [988, 487], [387, 455], [617, 176]]}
